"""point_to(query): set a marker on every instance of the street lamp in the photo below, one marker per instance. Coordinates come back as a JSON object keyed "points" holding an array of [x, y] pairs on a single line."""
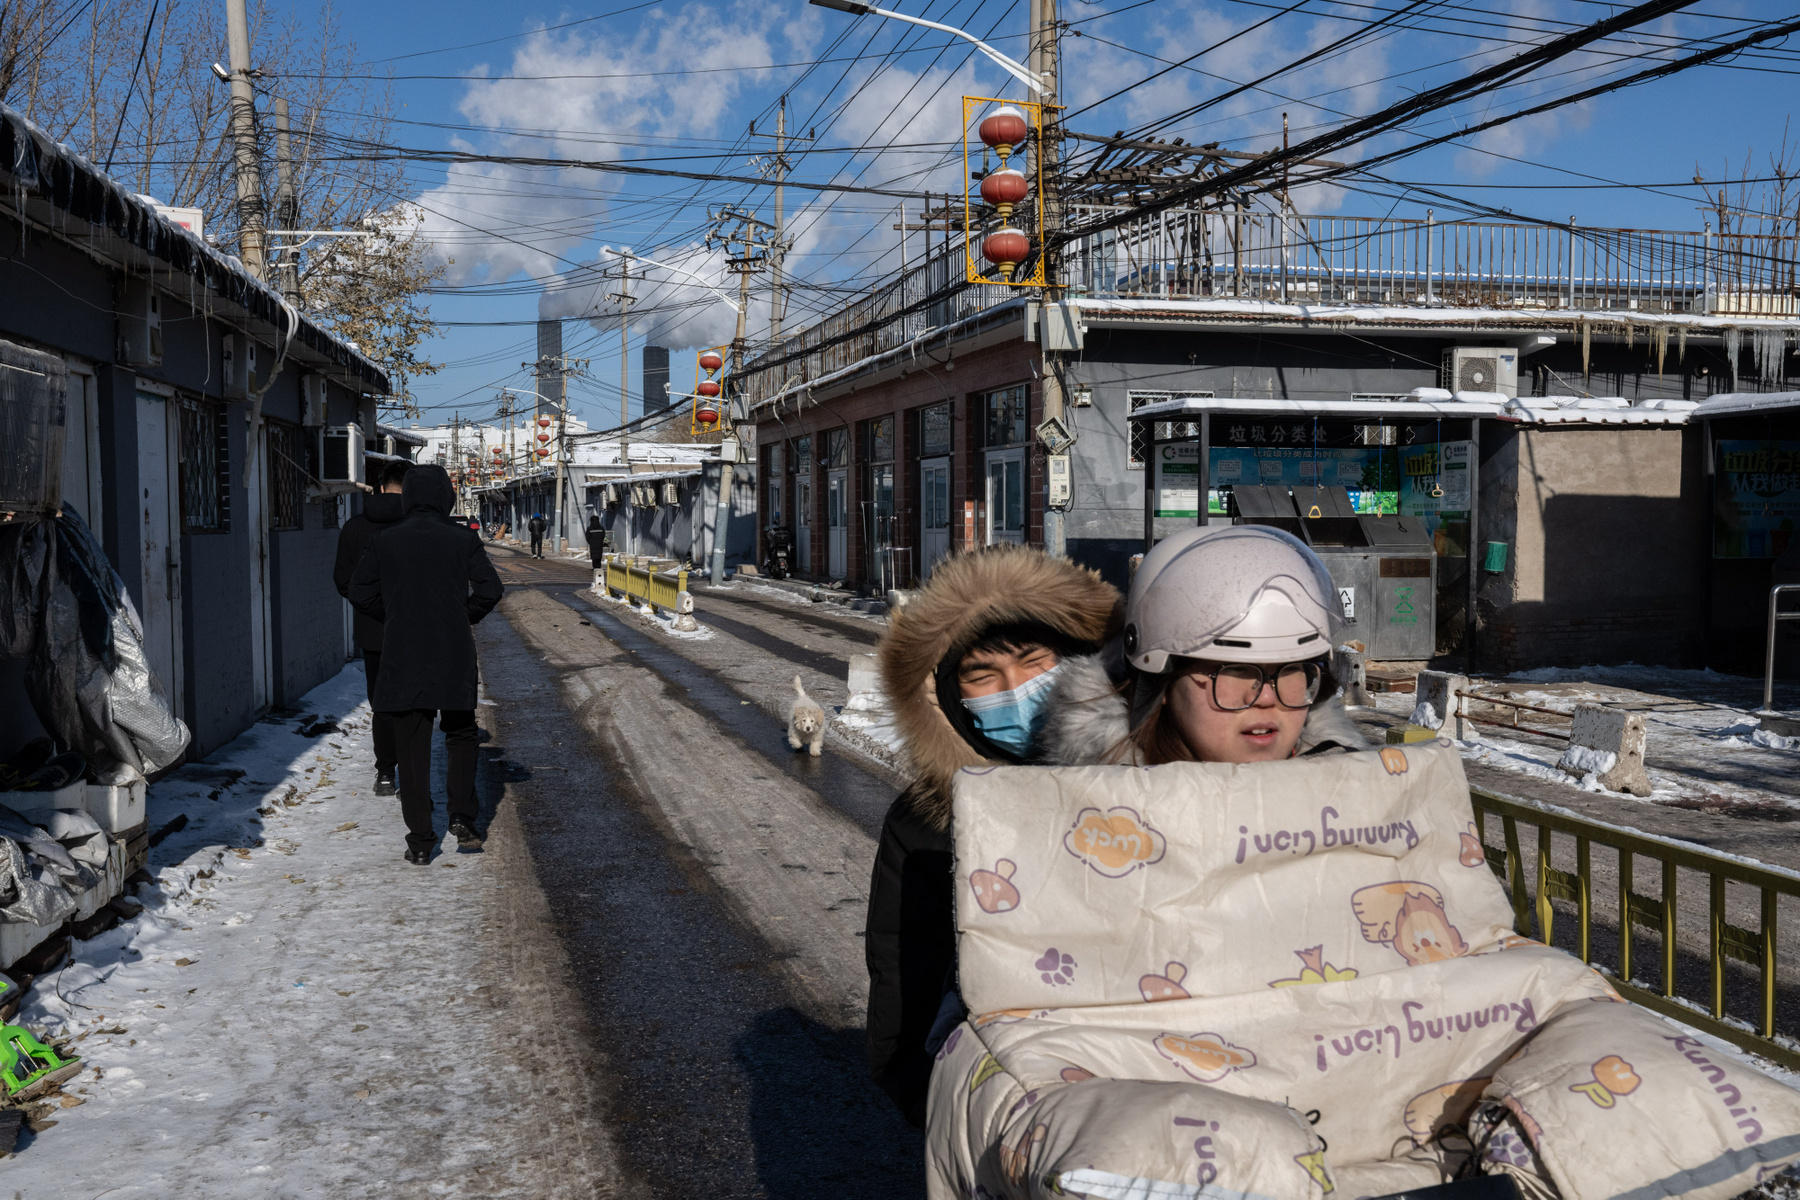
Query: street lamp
{"points": [[1016, 70]]}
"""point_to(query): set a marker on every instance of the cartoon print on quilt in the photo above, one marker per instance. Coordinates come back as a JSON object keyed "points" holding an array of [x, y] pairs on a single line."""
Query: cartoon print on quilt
{"points": [[1306, 954]]}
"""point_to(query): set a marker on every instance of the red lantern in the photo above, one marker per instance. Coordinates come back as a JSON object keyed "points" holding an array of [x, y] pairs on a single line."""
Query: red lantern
{"points": [[543, 452], [711, 361], [1004, 130], [1003, 189], [543, 422], [543, 437], [706, 414], [1006, 249], [707, 387]]}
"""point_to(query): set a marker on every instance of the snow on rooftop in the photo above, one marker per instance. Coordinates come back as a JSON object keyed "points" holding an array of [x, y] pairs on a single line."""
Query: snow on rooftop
{"points": [[1418, 314], [1734, 403]]}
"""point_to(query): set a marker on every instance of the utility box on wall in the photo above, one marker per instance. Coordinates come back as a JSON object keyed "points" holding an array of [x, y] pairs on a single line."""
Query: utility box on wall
{"points": [[341, 460], [312, 401], [238, 366], [140, 325]]}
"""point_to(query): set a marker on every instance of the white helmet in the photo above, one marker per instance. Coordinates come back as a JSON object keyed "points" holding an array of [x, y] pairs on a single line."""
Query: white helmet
{"points": [[1237, 593]]}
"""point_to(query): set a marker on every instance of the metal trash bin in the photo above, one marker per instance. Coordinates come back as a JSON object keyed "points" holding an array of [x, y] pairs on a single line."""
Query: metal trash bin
{"points": [[1385, 567]]}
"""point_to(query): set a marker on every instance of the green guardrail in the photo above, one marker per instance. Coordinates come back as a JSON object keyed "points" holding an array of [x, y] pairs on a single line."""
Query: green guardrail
{"points": [[1656, 914]]}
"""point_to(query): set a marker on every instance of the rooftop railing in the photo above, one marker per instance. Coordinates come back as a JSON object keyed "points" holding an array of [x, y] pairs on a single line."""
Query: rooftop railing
{"points": [[1188, 254]]}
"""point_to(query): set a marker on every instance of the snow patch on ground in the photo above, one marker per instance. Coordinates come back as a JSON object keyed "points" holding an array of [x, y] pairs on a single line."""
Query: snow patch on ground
{"points": [[869, 714], [1705, 749], [296, 1011], [662, 621]]}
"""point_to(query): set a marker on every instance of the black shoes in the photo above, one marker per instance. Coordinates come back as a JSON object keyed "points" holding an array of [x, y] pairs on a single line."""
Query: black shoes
{"points": [[463, 830], [384, 783], [420, 858]]}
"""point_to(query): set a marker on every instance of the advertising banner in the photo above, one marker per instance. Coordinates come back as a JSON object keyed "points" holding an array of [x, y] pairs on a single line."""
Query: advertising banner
{"points": [[1371, 473], [1756, 497], [1436, 481]]}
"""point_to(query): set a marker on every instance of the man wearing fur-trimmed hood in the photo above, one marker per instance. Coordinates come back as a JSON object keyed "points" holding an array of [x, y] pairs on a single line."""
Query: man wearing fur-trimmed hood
{"points": [[969, 664]]}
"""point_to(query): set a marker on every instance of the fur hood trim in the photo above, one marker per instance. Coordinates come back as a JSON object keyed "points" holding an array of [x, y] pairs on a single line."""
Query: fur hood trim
{"points": [[1090, 717], [969, 594]]}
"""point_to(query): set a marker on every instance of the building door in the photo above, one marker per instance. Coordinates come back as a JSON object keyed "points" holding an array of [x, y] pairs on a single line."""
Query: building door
{"points": [[878, 529], [934, 513], [1005, 496], [159, 536], [803, 524], [837, 524]]}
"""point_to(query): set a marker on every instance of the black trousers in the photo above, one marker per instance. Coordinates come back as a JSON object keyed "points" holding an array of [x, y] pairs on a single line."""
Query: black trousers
{"points": [[412, 739], [381, 725], [537, 544]]}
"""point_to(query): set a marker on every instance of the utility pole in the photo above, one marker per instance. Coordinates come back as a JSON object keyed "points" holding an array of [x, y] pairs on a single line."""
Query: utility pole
{"points": [[1044, 61], [752, 234], [251, 240], [623, 296], [779, 167], [287, 204]]}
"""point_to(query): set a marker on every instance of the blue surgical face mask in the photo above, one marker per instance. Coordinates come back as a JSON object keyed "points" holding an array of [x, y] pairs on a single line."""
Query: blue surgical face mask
{"points": [[1010, 719]]}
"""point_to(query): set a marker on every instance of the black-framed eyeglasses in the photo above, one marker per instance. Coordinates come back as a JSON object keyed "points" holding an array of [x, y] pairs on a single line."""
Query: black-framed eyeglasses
{"points": [[1237, 686]]}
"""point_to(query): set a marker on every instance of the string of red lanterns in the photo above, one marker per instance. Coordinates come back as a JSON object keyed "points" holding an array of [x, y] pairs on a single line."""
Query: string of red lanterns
{"points": [[1003, 132]]}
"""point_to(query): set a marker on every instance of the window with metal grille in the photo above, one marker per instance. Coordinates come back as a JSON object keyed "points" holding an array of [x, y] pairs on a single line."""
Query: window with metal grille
{"points": [[287, 475], [1165, 430], [205, 471]]}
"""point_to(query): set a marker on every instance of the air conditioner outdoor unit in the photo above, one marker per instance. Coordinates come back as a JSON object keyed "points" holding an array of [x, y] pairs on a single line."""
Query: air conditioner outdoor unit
{"points": [[342, 458], [1481, 369], [239, 366], [312, 400], [612, 495], [140, 325], [671, 493]]}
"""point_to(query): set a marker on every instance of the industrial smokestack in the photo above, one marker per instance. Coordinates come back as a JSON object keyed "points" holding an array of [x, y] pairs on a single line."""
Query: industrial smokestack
{"points": [[656, 378], [549, 357]]}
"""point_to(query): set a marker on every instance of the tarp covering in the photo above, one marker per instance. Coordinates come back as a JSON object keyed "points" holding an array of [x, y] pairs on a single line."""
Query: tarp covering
{"points": [[65, 613], [1294, 980]]}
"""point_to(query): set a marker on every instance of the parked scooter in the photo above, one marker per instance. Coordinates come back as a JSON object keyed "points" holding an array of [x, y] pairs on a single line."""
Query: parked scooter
{"points": [[778, 551]]}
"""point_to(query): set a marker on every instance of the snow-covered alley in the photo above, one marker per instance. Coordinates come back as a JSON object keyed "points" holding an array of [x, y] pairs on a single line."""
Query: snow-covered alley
{"points": [[298, 1012]]}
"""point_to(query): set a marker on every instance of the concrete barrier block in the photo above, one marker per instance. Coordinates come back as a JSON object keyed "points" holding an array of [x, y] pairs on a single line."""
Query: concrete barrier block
{"points": [[865, 675], [1436, 702], [1609, 745], [1353, 674], [684, 603]]}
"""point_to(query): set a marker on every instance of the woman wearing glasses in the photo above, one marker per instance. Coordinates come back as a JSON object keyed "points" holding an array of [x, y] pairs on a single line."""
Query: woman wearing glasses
{"points": [[1226, 657]]}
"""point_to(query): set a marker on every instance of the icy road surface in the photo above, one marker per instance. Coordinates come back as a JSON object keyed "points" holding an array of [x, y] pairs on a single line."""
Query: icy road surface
{"points": [[311, 1016]]}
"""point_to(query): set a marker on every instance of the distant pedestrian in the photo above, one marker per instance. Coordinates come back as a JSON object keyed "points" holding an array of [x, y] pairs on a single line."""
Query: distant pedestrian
{"points": [[429, 579], [596, 539], [379, 511], [537, 525]]}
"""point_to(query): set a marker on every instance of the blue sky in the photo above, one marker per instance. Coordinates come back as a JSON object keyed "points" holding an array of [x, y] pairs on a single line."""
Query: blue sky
{"points": [[677, 85]]}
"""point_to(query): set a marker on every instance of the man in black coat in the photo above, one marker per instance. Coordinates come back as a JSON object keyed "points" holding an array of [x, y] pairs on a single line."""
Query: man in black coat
{"points": [[429, 579], [536, 527], [378, 512]]}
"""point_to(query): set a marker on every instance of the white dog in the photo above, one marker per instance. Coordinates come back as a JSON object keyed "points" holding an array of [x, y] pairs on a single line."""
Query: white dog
{"points": [[806, 721]]}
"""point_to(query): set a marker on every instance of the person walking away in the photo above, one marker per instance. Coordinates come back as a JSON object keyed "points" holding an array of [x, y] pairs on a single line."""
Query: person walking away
{"points": [[537, 525], [379, 510], [968, 663], [1225, 658], [428, 579]]}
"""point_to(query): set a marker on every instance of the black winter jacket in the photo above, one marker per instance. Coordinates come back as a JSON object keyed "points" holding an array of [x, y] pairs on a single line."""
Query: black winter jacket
{"points": [[428, 579], [378, 512], [536, 526], [910, 947]]}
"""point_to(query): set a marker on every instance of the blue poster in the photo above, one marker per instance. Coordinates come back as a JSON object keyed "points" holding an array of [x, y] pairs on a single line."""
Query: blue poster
{"points": [[1756, 497]]}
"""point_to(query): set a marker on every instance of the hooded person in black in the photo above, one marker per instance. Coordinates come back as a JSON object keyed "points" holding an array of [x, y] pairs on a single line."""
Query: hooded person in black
{"points": [[536, 527], [379, 510], [429, 579]]}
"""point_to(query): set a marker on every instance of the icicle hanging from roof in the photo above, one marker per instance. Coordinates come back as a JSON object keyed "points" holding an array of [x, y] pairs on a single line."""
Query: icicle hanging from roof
{"points": [[1659, 338], [1681, 345], [1771, 351], [1733, 343]]}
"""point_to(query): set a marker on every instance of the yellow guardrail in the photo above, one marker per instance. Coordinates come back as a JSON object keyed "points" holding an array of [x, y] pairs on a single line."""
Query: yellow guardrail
{"points": [[654, 581], [1654, 914]]}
